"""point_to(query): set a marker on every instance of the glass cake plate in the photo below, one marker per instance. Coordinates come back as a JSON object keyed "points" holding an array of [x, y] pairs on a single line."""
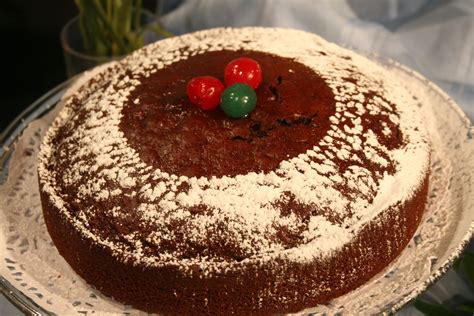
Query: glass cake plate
{"points": [[39, 281]]}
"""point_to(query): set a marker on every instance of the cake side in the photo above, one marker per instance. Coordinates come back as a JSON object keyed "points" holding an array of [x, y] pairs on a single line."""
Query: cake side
{"points": [[368, 157], [252, 289]]}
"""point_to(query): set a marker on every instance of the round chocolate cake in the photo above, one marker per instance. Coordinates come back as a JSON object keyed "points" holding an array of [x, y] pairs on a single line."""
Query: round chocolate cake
{"points": [[176, 210]]}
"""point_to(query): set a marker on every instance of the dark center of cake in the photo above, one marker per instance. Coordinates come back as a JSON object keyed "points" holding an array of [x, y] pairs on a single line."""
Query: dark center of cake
{"points": [[292, 114]]}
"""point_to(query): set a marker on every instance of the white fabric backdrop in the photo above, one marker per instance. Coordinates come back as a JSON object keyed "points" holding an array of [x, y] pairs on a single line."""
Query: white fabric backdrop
{"points": [[434, 37]]}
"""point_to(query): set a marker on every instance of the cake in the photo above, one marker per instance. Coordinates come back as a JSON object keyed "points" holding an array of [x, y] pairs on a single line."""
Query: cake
{"points": [[176, 210]]}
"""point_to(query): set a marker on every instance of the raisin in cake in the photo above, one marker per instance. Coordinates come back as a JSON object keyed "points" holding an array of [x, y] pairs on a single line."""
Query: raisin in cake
{"points": [[176, 210]]}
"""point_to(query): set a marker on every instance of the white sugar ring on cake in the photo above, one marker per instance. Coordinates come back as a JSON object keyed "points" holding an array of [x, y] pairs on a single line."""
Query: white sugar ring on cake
{"points": [[278, 239]]}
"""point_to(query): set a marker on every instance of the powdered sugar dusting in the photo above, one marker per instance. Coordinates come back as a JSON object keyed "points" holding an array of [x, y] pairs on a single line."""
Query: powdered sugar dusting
{"points": [[241, 208]]}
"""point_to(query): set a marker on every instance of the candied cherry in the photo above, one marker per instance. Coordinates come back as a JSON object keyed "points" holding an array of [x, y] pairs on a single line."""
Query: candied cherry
{"points": [[238, 100], [243, 70], [205, 92]]}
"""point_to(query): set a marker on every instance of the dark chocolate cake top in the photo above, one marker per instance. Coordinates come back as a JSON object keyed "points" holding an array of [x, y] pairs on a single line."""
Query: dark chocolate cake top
{"points": [[334, 141], [168, 132]]}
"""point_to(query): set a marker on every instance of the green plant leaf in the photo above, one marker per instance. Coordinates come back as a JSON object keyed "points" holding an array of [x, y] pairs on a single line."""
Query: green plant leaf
{"points": [[466, 307], [125, 17], [467, 266], [113, 27], [137, 24], [93, 34], [158, 29], [432, 309], [108, 26], [109, 11]]}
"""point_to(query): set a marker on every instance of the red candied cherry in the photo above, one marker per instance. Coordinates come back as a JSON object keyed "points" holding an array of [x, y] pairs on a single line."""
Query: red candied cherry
{"points": [[205, 92], [243, 70]]}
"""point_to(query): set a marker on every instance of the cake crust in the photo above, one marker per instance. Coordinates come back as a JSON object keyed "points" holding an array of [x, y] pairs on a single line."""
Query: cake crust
{"points": [[142, 191]]}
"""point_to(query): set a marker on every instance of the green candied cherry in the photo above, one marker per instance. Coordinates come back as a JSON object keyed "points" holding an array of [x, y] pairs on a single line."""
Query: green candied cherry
{"points": [[238, 100]]}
